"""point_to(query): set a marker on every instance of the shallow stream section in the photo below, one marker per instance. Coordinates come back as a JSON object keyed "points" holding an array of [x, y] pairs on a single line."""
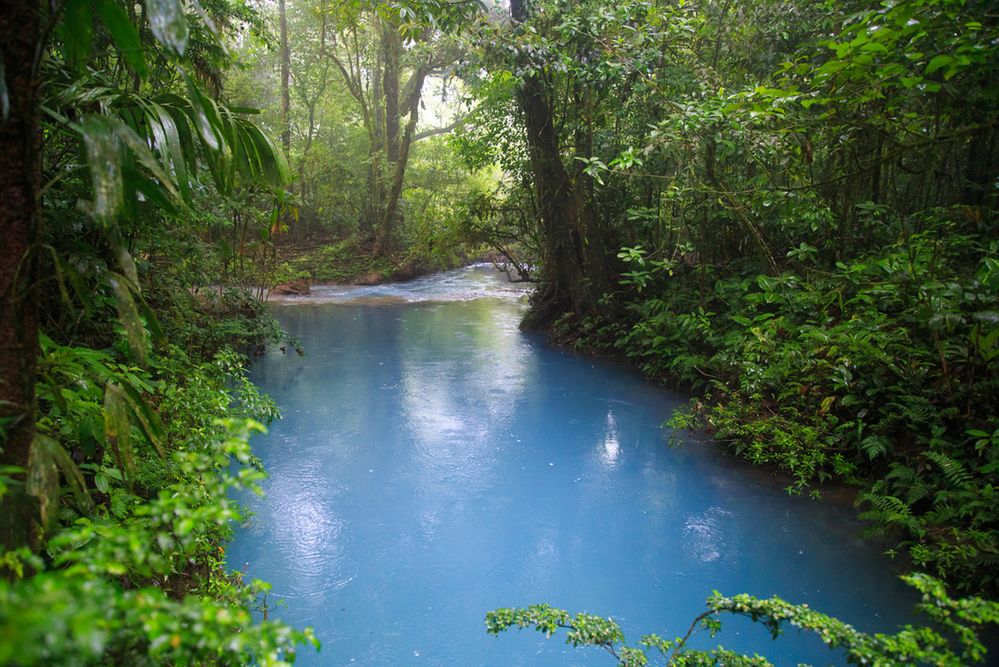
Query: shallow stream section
{"points": [[435, 462]]}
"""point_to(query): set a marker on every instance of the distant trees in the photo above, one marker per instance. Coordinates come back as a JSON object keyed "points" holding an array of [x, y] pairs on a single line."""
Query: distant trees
{"points": [[384, 55]]}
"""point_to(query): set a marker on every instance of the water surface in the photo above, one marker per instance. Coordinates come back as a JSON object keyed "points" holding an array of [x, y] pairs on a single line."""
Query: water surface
{"points": [[434, 462]]}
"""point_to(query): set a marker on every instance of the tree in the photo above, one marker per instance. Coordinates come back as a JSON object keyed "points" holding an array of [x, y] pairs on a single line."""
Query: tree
{"points": [[20, 181], [568, 286], [384, 55], [285, 79], [143, 147], [127, 151]]}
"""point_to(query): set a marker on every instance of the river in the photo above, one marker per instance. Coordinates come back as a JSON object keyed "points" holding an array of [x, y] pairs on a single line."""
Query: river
{"points": [[435, 462]]}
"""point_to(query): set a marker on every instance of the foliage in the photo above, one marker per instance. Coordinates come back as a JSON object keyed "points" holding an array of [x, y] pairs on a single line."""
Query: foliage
{"points": [[362, 72], [138, 442], [335, 262], [872, 372], [953, 639], [789, 207], [139, 581]]}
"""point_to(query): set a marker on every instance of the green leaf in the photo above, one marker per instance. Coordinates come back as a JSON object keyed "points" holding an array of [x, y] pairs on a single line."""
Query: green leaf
{"points": [[938, 62], [77, 31], [43, 482], [128, 315], [118, 429], [205, 115], [168, 142], [70, 471], [140, 149], [125, 261], [125, 35], [169, 24], [104, 160], [147, 418]]}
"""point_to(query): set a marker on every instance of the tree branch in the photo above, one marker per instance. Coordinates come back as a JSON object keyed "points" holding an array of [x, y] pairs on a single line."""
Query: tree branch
{"points": [[433, 132]]}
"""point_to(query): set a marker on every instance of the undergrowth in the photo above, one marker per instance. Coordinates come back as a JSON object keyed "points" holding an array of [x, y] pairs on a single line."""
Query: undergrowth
{"points": [[881, 371]]}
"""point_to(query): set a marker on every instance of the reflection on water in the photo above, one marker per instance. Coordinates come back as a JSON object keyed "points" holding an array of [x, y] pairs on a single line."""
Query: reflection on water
{"points": [[612, 446], [436, 462]]}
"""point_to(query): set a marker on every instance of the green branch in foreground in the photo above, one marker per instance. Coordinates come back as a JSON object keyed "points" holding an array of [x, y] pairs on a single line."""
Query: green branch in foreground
{"points": [[953, 642]]}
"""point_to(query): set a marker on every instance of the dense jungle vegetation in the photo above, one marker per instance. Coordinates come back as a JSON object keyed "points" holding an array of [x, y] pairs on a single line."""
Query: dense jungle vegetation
{"points": [[789, 208]]}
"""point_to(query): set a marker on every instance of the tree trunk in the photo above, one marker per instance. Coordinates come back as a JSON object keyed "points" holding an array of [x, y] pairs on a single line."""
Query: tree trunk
{"points": [[592, 224], [285, 81], [20, 175], [376, 142], [391, 216], [390, 48], [565, 286]]}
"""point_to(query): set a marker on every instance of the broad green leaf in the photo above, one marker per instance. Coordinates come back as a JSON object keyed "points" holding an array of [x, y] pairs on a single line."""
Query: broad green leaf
{"points": [[938, 62], [140, 150], [148, 420], [151, 190], [168, 141], [128, 315], [104, 160], [70, 471], [205, 115], [125, 261], [43, 481], [77, 31], [169, 24], [118, 429], [124, 34]]}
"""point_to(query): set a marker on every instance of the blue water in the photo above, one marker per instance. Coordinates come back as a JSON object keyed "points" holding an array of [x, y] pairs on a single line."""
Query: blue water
{"points": [[434, 462]]}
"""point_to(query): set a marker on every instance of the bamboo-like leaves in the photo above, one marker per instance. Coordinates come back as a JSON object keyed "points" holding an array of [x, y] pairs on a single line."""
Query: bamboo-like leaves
{"points": [[205, 115], [77, 31], [124, 407], [124, 33], [144, 417], [43, 483], [169, 24], [105, 137], [104, 160], [152, 146]]}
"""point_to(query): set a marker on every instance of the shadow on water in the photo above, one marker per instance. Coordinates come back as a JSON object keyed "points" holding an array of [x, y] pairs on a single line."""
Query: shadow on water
{"points": [[434, 462]]}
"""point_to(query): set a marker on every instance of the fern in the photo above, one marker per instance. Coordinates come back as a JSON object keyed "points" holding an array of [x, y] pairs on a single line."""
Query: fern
{"points": [[955, 473], [875, 446], [887, 509]]}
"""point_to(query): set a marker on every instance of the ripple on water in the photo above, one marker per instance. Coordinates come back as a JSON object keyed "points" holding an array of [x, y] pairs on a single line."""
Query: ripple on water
{"points": [[705, 535]]}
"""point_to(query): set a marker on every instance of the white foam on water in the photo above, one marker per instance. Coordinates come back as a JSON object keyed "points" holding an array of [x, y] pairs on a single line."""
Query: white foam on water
{"points": [[477, 281]]}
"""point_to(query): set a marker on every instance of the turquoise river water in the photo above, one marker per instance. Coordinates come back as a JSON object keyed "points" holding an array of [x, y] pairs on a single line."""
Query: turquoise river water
{"points": [[434, 462]]}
